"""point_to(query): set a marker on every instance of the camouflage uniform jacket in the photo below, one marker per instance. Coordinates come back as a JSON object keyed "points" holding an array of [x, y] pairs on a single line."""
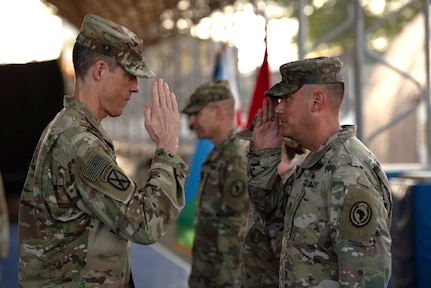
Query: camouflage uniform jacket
{"points": [[78, 210], [337, 214], [4, 224], [259, 253], [221, 206], [260, 250]]}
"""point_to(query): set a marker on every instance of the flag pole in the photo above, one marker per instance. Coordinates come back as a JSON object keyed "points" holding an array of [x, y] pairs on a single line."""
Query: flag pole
{"points": [[263, 83]]}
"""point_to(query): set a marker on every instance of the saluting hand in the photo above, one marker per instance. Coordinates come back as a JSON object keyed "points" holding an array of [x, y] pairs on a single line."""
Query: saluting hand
{"points": [[162, 119], [267, 132]]}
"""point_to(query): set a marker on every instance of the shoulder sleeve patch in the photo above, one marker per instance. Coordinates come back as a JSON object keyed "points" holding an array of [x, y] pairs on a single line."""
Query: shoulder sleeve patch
{"points": [[117, 179], [359, 217], [107, 177], [236, 193], [237, 188]]}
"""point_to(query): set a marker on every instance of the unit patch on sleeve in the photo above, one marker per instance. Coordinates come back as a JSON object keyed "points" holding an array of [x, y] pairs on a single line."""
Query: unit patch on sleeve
{"points": [[107, 177], [237, 188], [359, 217], [235, 191], [360, 214], [118, 180]]}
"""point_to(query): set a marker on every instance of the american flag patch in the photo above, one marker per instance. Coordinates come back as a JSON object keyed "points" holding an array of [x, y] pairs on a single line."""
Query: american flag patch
{"points": [[95, 166]]}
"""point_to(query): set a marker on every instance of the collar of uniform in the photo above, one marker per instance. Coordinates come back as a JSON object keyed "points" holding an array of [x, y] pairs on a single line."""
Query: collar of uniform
{"points": [[345, 132], [73, 103], [81, 108], [215, 152]]}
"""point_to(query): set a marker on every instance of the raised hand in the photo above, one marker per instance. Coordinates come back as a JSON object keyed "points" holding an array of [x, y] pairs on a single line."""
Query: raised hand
{"points": [[162, 119], [267, 132]]}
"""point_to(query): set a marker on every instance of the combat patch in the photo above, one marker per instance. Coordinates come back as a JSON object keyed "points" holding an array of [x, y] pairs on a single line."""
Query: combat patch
{"points": [[359, 217]]}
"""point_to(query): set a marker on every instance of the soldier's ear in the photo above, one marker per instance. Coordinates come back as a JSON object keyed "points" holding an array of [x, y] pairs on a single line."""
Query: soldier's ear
{"points": [[219, 112], [319, 100], [99, 69]]}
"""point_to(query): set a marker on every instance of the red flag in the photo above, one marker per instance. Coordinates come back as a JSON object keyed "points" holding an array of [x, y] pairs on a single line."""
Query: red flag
{"points": [[263, 83]]}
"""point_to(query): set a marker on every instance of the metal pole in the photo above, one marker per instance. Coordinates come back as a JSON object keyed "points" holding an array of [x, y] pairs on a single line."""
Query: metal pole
{"points": [[427, 86], [358, 62], [301, 29]]}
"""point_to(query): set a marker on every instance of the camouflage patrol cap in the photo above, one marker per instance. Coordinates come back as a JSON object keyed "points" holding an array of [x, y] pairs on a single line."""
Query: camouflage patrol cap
{"points": [[212, 91], [309, 71], [114, 40]]}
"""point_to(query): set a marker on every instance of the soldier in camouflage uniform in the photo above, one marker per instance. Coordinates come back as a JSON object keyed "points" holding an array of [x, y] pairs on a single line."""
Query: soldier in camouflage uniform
{"points": [[4, 226], [78, 209], [260, 246], [337, 206], [222, 197]]}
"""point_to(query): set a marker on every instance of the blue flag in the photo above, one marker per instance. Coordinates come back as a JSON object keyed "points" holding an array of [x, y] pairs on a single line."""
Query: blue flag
{"points": [[203, 148]]}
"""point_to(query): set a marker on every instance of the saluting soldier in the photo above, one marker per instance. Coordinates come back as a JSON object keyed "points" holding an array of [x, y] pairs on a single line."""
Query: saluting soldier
{"points": [[337, 207], [78, 208]]}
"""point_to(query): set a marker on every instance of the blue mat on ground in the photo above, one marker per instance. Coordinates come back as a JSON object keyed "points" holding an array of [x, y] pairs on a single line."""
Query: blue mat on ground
{"points": [[153, 266]]}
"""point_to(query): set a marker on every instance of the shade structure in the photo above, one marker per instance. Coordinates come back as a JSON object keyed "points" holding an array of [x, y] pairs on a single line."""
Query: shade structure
{"points": [[141, 16]]}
